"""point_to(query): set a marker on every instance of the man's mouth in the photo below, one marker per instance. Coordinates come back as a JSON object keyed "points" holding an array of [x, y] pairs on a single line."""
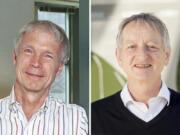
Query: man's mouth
{"points": [[142, 65], [34, 75]]}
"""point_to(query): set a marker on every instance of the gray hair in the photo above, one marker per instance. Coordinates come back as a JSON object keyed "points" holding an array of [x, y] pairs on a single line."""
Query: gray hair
{"points": [[151, 20], [50, 27]]}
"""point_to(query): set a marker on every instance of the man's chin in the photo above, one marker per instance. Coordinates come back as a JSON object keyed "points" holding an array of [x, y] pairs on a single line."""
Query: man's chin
{"points": [[142, 77], [35, 89]]}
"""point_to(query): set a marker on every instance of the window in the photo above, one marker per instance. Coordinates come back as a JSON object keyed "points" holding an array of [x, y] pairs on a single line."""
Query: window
{"points": [[62, 16]]}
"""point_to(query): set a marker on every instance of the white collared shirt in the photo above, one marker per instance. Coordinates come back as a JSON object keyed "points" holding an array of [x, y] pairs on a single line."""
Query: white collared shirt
{"points": [[53, 118], [139, 109]]}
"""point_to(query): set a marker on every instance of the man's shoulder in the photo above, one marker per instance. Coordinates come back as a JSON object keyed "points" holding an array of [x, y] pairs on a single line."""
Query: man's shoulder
{"points": [[71, 111], [5, 99], [75, 107], [106, 102], [66, 106], [4, 105], [174, 92], [102, 112], [174, 96]]}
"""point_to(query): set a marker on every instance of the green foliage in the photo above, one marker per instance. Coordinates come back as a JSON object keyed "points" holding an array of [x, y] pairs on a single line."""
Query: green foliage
{"points": [[110, 82]]}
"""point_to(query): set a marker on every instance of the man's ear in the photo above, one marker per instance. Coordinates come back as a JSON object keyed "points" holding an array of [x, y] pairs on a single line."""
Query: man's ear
{"points": [[168, 54], [117, 53], [60, 68], [14, 57]]}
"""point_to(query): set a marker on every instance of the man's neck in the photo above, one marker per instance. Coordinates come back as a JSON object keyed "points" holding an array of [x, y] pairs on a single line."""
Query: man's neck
{"points": [[29, 100], [142, 91]]}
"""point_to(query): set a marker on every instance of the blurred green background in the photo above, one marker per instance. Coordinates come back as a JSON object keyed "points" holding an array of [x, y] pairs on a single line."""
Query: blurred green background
{"points": [[105, 80]]}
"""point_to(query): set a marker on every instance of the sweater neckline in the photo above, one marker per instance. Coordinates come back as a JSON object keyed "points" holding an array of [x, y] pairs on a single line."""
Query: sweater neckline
{"points": [[120, 107]]}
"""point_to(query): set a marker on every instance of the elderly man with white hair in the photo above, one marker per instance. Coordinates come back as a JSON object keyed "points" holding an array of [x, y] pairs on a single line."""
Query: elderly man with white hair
{"points": [[145, 106], [41, 50]]}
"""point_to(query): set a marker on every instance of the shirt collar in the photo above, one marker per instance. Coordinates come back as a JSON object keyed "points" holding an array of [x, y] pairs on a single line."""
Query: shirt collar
{"points": [[125, 95], [13, 103], [163, 93]]}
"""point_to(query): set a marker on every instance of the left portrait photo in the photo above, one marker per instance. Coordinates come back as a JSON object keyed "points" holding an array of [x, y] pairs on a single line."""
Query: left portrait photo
{"points": [[44, 54]]}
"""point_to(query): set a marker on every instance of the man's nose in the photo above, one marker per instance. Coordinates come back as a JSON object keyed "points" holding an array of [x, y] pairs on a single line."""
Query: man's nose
{"points": [[142, 52], [36, 61]]}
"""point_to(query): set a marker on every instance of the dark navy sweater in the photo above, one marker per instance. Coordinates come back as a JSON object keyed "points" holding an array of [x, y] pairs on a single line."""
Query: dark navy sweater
{"points": [[109, 116]]}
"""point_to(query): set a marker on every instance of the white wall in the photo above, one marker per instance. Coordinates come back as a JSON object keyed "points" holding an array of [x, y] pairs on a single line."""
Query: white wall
{"points": [[13, 15]]}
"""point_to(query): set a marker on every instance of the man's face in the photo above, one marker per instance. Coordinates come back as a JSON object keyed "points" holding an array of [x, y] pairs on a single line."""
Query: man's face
{"points": [[142, 55], [38, 61]]}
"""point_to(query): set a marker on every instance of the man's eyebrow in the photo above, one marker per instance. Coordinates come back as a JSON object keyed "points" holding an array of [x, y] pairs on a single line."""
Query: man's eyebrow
{"points": [[128, 41], [27, 46], [49, 52], [153, 41]]}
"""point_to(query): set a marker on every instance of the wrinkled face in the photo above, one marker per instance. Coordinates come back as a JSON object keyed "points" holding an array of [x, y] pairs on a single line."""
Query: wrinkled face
{"points": [[142, 55], [38, 61]]}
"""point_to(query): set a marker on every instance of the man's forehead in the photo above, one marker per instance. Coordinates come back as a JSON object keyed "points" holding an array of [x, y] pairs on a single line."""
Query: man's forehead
{"points": [[135, 28], [39, 30], [39, 37], [140, 24], [39, 34]]}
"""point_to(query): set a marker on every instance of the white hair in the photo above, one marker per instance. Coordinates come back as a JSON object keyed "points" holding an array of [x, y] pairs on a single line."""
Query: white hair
{"points": [[151, 20], [51, 27]]}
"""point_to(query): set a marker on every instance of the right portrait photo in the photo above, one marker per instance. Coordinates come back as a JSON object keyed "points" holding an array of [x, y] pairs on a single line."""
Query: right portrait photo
{"points": [[135, 67]]}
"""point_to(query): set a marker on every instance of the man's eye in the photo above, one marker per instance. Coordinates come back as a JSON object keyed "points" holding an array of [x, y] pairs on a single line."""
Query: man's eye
{"points": [[49, 56], [152, 47], [27, 51], [131, 46]]}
